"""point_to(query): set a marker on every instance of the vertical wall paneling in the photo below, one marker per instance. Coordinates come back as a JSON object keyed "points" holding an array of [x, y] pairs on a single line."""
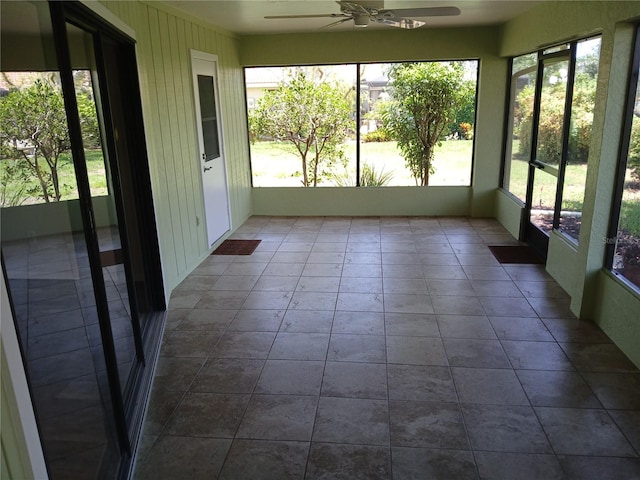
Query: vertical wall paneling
{"points": [[162, 139], [182, 144], [173, 154], [164, 39]]}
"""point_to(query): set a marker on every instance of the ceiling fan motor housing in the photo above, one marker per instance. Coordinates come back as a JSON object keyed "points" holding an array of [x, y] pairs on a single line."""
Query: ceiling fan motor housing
{"points": [[361, 20]]}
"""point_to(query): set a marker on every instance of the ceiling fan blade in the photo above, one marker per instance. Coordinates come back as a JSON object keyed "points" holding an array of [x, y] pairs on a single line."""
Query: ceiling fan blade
{"points": [[352, 7], [423, 12], [407, 23], [342, 20], [319, 15]]}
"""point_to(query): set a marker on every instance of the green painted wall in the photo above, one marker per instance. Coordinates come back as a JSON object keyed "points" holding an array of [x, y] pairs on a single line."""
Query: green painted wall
{"points": [[362, 201], [390, 45], [595, 294], [509, 212], [164, 39]]}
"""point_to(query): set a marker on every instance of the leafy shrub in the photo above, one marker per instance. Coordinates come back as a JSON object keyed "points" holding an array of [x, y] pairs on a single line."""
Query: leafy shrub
{"points": [[379, 135]]}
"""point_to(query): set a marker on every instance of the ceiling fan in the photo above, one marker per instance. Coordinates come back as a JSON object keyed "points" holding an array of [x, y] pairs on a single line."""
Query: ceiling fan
{"points": [[363, 14]]}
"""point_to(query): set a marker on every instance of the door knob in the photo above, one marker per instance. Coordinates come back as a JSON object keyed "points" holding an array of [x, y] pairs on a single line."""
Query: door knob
{"points": [[206, 169]]}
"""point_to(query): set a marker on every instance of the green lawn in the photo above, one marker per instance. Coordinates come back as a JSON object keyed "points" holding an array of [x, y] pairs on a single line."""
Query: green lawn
{"points": [[11, 187], [277, 165]]}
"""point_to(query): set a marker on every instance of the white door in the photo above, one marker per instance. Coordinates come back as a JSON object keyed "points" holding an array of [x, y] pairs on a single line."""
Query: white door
{"points": [[211, 145]]}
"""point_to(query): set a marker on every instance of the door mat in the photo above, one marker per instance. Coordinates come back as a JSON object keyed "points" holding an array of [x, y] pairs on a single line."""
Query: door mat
{"points": [[515, 254], [236, 247], [109, 258]]}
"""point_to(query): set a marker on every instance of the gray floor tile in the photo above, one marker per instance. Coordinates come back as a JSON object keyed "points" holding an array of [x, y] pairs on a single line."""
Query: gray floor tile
{"points": [[427, 424], [257, 321], [244, 345], [599, 468], [498, 428], [348, 462], [355, 421], [557, 389], [411, 324], [536, 355], [488, 386], [523, 466], [228, 375], [279, 417], [466, 326], [291, 377], [355, 380], [267, 460], [579, 431], [475, 353], [360, 322], [357, 348], [207, 415], [416, 350], [307, 321], [421, 382], [184, 457], [521, 328], [299, 346], [419, 463]]}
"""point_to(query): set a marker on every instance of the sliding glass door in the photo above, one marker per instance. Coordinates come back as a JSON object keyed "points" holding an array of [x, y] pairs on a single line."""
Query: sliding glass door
{"points": [[79, 244]]}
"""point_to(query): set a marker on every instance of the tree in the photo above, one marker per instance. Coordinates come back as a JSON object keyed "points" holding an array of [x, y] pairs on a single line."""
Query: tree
{"points": [[313, 116], [33, 127], [425, 96]]}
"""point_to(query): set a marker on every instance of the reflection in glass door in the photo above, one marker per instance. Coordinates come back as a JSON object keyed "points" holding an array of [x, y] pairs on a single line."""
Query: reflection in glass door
{"points": [[78, 238], [124, 323], [46, 258]]}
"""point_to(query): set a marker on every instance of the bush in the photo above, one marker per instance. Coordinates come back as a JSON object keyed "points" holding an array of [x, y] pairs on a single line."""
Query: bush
{"points": [[379, 135]]}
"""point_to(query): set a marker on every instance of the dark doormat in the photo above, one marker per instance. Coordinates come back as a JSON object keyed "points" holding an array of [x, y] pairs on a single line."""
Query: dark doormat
{"points": [[236, 247], [515, 254], [109, 258]]}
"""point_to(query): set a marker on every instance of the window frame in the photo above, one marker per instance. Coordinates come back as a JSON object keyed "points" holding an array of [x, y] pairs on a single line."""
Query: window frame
{"points": [[358, 114], [633, 85]]}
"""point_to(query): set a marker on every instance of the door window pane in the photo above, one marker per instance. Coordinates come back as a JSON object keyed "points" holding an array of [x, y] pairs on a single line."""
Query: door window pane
{"points": [[209, 120], [523, 83], [552, 107], [583, 101]]}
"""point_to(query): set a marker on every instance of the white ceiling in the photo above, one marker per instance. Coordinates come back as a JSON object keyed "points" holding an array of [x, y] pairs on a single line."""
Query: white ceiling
{"points": [[246, 17]]}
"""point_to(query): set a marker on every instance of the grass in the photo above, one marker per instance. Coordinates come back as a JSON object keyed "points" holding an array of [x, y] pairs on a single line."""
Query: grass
{"points": [[278, 165], [66, 178]]}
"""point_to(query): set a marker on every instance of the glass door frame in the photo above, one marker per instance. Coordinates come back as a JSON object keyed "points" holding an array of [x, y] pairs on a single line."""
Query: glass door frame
{"points": [[532, 234], [128, 408], [125, 412]]}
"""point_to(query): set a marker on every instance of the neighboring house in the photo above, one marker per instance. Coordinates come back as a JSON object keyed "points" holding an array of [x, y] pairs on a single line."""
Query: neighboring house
{"points": [[169, 207]]}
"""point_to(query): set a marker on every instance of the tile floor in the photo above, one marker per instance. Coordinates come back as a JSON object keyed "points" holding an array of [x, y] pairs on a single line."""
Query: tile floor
{"points": [[379, 348]]}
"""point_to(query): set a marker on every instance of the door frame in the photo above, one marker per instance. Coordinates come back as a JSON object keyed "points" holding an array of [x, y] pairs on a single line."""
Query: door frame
{"points": [[532, 234], [197, 55]]}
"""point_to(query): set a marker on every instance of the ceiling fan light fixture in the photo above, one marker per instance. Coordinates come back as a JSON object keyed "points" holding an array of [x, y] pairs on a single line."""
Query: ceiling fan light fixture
{"points": [[361, 21]]}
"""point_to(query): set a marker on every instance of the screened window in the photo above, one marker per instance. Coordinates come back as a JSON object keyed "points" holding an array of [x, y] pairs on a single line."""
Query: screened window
{"points": [[581, 120], [354, 125], [518, 148], [624, 244]]}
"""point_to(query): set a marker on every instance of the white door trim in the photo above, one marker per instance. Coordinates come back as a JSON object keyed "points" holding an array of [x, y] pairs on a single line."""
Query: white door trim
{"points": [[196, 57]]}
